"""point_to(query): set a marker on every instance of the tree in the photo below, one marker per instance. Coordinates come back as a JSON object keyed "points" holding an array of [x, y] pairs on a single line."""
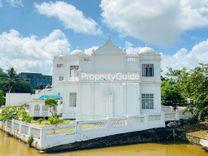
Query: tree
{"points": [[23, 87], [190, 86], [2, 99], [170, 94], [14, 112], [52, 104], [11, 82], [197, 89]]}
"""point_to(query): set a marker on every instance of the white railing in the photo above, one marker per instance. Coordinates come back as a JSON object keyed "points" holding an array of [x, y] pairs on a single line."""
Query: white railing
{"points": [[179, 113], [23, 131], [171, 116], [50, 136], [75, 131]]}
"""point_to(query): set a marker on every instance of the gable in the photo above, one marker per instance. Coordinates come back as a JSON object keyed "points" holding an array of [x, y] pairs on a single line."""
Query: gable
{"points": [[109, 49]]}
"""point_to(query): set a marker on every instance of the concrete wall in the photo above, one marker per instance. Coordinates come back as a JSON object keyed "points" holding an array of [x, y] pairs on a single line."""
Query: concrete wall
{"points": [[18, 98]]}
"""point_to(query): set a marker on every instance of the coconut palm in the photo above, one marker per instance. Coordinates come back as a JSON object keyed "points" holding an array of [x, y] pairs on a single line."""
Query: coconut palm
{"points": [[10, 80]]}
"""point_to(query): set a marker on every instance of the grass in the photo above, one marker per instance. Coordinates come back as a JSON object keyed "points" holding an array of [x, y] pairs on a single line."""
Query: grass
{"points": [[46, 122], [63, 130], [199, 129], [89, 126]]}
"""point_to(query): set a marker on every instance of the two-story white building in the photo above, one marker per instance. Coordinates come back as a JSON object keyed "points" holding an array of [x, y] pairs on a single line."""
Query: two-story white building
{"points": [[108, 83]]}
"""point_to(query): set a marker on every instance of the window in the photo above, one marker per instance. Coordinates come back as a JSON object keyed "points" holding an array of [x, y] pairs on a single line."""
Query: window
{"points": [[72, 99], [45, 111], [147, 101], [61, 78], [148, 70], [36, 110], [74, 71], [86, 59], [59, 65], [131, 59]]}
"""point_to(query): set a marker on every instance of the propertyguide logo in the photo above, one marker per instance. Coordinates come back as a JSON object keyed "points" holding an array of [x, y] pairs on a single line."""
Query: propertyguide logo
{"points": [[109, 76]]}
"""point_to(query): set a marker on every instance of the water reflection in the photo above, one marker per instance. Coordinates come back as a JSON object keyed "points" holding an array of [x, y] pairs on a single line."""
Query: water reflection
{"points": [[12, 147]]}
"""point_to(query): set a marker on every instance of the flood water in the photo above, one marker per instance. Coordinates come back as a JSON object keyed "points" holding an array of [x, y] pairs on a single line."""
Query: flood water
{"points": [[10, 146]]}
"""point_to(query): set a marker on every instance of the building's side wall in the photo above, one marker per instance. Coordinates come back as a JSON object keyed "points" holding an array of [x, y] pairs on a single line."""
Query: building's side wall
{"points": [[17, 98], [133, 99], [100, 100], [65, 90], [151, 85], [152, 88], [65, 69]]}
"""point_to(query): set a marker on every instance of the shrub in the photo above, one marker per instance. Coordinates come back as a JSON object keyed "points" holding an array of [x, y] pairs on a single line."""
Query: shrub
{"points": [[9, 113], [54, 120], [27, 118], [40, 121], [15, 112], [30, 140]]}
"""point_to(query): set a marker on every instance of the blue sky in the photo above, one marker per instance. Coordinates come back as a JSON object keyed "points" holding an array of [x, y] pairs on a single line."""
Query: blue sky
{"points": [[127, 23]]}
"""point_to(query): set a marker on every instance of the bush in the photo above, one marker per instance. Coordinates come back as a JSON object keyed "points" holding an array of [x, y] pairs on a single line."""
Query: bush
{"points": [[54, 120], [15, 112], [30, 141], [9, 113], [40, 121], [27, 118]]}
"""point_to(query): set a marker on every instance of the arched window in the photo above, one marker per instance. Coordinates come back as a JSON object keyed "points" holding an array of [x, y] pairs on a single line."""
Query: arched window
{"points": [[45, 111], [37, 110]]}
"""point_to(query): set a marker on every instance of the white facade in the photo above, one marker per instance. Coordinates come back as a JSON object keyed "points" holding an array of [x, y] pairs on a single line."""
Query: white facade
{"points": [[14, 99], [36, 106], [84, 97]]}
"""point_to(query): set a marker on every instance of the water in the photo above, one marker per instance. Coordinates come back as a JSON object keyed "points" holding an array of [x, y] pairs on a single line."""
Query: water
{"points": [[13, 147]]}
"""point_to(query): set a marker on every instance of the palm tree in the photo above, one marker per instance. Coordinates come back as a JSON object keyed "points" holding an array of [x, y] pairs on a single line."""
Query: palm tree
{"points": [[10, 80]]}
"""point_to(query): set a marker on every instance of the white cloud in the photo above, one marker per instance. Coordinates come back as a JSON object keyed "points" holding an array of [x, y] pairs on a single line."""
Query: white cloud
{"points": [[89, 51], [35, 54], [130, 49], [155, 21], [188, 59], [31, 53], [13, 3], [70, 16], [181, 59]]}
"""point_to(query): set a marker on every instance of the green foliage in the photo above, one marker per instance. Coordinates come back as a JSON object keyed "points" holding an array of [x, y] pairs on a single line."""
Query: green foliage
{"points": [[26, 117], [30, 140], [54, 120], [11, 82], [170, 94], [2, 99], [52, 104], [15, 112], [40, 121], [8, 113], [188, 88]]}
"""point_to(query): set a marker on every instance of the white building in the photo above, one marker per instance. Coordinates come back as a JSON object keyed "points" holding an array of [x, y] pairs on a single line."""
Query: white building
{"points": [[34, 102], [108, 83]]}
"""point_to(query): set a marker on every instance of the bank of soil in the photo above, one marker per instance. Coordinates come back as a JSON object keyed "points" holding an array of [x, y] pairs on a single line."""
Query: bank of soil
{"points": [[196, 131]]}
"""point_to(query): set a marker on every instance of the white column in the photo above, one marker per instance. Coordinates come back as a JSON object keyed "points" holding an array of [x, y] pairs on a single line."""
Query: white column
{"points": [[42, 137], [139, 104]]}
